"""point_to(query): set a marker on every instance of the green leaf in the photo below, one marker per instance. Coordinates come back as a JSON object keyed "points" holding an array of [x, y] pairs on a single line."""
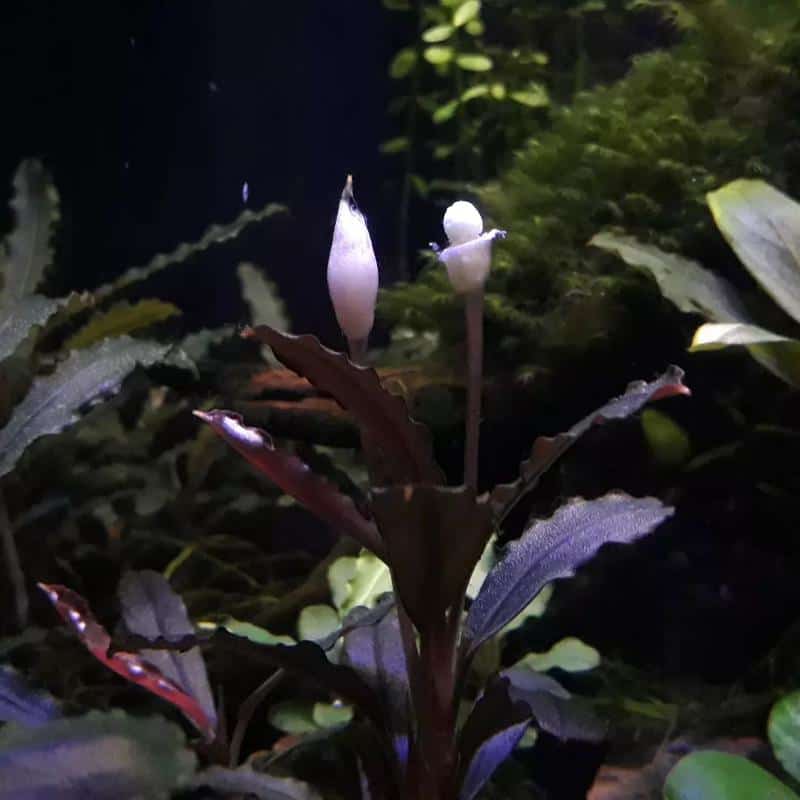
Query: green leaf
{"points": [[570, 654], [17, 320], [710, 775], [299, 718], [466, 12], [331, 715], [98, 755], [783, 729], [534, 97], [438, 55], [358, 581], [403, 63], [445, 112], [479, 90], [120, 319], [668, 441], [246, 630], [397, 145], [763, 226], [316, 622], [474, 62], [54, 401], [438, 33], [474, 27], [26, 252], [534, 610], [498, 91]]}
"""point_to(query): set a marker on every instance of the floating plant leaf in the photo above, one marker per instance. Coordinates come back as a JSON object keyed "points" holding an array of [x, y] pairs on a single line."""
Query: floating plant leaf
{"points": [[216, 234], [17, 320], [26, 252], [150, 608], [711, 775], [358, 581], [547, 450], [19, 703], [249, 631], [434, 536], [54, 401], [104, 756], [73, 609], [317, 622], [299, 718], [120, 319], [405, 444], [762, 225], [784, 733], [489, 736], [570, 655], [245, 781], [294, 477], [554, 548]]}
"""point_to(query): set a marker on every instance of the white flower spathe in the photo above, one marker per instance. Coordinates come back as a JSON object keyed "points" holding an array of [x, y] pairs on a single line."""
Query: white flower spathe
{"points": [[352, 269]]}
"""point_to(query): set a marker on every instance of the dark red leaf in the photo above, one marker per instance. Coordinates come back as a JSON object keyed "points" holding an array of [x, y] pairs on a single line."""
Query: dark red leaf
{"points": [[404, 445], [75, 611], [295, 477], [547, 450]]}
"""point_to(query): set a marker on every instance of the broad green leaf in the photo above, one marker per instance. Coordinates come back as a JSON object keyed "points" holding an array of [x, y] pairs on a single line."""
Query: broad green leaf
{"points": [[668, 441], [331, 715], [570, 655], [438, 33], [783, 729], [480, 90], [762, 225], [26, 252], [397, 145], [466, 12], [474, 62], [358, 581], [262, 298], [403, 63], [53, 402], [445, 112], [498, 91], [120, 319], [533, 97], [438, 55], [474, 27], [17, 320], [299, 718], [711, 775], [316, 622], [100, 755]]}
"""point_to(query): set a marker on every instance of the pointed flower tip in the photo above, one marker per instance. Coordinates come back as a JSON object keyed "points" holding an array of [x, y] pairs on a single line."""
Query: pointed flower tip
{"points": [[203, 415], [347, 192]]}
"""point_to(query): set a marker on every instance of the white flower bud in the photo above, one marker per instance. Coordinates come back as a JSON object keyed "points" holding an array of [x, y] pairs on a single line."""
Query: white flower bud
{"points": [[469, 256], [352, 270], [462, 222]]}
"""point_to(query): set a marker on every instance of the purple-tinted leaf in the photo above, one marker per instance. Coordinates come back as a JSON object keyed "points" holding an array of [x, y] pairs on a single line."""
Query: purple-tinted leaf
{"points": [[376, 653], [434, 537], [74, 610], [295, 478], [150, 608], [19, 703], [547, 450], [552, 549], [403, 444], [99, 756], [246, 781], [358, 617], [555, 710], [489, 736]]}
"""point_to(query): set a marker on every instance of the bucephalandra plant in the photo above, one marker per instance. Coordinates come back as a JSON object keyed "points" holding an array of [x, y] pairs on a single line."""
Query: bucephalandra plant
{"points": [[405, 665]]}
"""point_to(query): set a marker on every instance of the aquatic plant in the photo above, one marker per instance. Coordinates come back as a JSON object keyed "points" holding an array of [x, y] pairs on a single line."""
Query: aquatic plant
{"points": [[404, 665]]}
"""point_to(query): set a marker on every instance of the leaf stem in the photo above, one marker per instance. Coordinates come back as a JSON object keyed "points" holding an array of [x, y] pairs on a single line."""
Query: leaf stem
{"points": [[246, 711], [473, 307], [15, 574]]}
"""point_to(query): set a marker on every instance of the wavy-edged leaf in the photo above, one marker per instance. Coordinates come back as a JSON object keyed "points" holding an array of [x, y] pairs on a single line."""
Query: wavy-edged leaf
{"points": [[17, 320], [74, 610], [103, 756], [120, 319], [710, 775], [26, 252], [54, 401], [215, 234], [294, 477], [150, 608], [762, 225], [555, 710], [434, 536], [547, 450], [553, 548], [784, 733], [19, 703], [404, 444], [246, 781], [489, 736]]}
